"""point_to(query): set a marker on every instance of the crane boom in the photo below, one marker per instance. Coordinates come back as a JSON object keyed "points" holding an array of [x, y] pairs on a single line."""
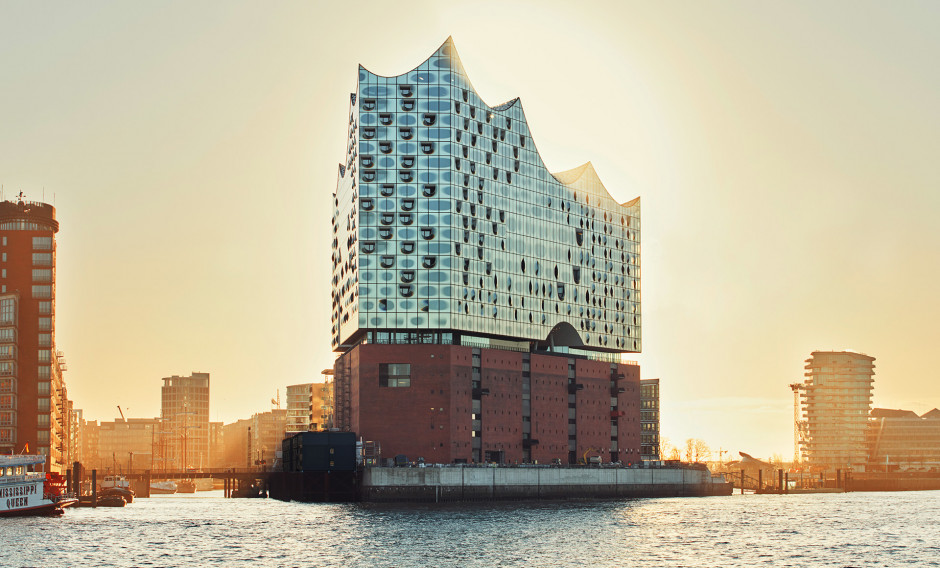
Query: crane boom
{"points": [[122, 413]]}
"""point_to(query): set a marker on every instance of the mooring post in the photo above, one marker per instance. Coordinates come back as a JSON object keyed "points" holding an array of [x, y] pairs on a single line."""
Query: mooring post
{"points": [[780, 480], [786, 482], [94, 488], [760, 481], [742, 482]]}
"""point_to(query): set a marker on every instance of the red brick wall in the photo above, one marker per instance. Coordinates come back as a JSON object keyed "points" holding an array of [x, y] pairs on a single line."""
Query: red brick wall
{"points": [[432, 417], [549, 408]]}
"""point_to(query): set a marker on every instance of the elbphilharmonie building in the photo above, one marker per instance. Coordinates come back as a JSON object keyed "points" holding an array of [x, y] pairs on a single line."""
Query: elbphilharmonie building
{"points": [[454, 247]]}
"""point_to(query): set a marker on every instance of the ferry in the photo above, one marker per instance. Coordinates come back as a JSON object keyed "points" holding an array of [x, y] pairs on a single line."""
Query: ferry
{"points": [[25, 488]]}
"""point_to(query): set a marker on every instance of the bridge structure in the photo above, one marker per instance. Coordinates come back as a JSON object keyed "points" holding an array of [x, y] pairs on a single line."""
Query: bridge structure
{"points": [[237, 482]]}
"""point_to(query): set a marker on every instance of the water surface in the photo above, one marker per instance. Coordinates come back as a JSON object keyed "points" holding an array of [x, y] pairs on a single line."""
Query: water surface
{"points": [[853, 529]]}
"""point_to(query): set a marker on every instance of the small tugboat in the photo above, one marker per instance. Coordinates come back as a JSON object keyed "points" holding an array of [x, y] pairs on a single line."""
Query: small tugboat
{"points": [[25, 488], [111, 500], [126, 494]]}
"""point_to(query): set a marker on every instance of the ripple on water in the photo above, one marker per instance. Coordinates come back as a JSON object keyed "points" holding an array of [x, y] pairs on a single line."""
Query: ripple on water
{"points": [[856, 529]]}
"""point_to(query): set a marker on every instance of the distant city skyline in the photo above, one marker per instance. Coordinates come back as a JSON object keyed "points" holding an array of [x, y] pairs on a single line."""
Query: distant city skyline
{"points": [[785, 155]]}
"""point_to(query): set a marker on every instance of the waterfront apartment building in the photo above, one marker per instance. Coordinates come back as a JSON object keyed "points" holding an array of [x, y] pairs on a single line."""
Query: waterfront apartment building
{"points": [[126, 444], [649, 419], [900, 440], [835, 398], [183, 439], [34, 408], [265, 434], [481, 304], [299, 407], [235, 444]]}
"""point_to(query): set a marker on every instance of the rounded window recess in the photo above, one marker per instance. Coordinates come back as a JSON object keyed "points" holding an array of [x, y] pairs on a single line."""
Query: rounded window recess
{"points": [[383, 305], [385, 147], [479, 128], [407, 204], [368, 104], [515, 152], [522, 141], [473, 112], [495, 228], [473, 167], [407, 161], [406, 132], [489, 158], [368, 133], [406, 90], [429, 190], [388, 218], [473, 140], [406, 176], [522, 264], [465, 95], [428, 119], [406, 290], [429, 261], [387, 261], [427, 147], [386, 118], [406, 218], [385, 233], [457, 107], [407, 276], [408, 247], [495, 146], [427, 233], [368, 176], [368, 247], [425, 305], [367, 204], [366, 161], [407, 105], [508, 177], [459, 133]]}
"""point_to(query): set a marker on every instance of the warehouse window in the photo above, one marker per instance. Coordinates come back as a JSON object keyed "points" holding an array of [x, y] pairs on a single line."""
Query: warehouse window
{"points": [[394, 375]]}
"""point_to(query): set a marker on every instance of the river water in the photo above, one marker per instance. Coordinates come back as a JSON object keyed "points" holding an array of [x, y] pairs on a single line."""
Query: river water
{"points": [[852, 529]]}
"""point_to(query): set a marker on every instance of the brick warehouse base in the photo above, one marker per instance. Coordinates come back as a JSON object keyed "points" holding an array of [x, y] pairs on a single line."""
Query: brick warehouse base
{"points": [[467, 404]]}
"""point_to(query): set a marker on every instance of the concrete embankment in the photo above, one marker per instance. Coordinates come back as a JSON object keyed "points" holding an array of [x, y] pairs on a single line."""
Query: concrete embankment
{"points": [[444, 484]]}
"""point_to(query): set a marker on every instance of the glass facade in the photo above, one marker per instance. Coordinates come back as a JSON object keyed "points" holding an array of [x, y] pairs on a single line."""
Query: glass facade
{"points": [[445, 218]]}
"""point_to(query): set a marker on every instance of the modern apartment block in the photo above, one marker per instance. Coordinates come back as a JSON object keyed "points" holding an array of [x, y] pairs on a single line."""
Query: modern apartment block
{"points": [[481, 304], [183, 439], [126, 444], [649, 419], [900, 440], [265, 434], [835, 398], [299, 407], [34, 408]]}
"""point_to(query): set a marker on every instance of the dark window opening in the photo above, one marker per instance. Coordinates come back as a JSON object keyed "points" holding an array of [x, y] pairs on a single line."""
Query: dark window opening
{"points": [[368, 104], [429, 190], [407, 105], [385, 118], [407, 204], [385, 147]]}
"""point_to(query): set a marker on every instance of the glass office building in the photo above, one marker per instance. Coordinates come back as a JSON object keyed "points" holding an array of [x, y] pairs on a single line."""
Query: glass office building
{"points": [[448, 225]]}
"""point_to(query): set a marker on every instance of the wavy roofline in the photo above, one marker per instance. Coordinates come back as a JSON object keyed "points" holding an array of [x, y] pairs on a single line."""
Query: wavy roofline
{"points": [[587, 167]]}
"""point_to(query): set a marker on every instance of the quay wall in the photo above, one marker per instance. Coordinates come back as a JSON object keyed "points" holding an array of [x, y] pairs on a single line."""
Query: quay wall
{"points": [[437, 484]]}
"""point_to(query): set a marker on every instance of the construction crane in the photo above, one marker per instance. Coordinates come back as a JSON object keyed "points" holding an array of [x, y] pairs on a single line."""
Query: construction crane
{"points": [[122, 413]]}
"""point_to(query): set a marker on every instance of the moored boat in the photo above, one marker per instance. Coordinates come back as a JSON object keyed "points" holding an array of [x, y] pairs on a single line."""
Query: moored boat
{"points": [[25, 488], [204, 484], [185, 486], [167, 487], [121, 492]]}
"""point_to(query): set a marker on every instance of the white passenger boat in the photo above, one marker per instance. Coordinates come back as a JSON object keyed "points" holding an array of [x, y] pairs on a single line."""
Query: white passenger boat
{"points": [[162, 487], [115, 481], [25, 488]]}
